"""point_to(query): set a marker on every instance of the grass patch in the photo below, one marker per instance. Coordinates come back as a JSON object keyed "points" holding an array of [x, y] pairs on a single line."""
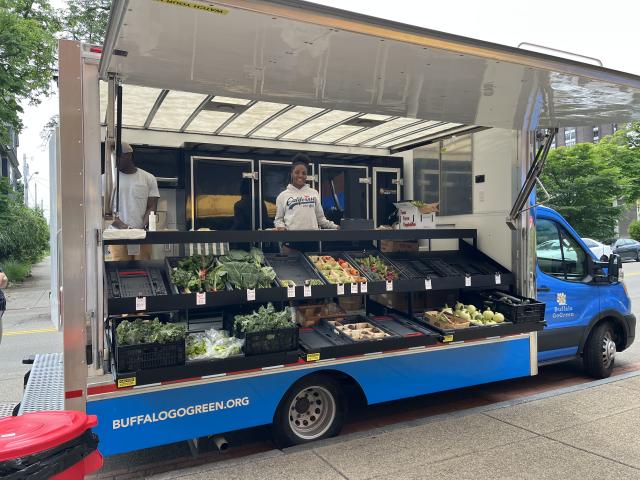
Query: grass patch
{"points": [[16, 271]]}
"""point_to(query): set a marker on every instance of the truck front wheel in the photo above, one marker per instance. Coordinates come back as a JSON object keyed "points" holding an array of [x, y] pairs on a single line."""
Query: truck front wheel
{"points": [[600, 351], [312, 409]]}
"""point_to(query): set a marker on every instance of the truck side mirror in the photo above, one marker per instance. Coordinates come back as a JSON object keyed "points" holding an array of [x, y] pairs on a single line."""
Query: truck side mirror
{"points": [[613, 268]]}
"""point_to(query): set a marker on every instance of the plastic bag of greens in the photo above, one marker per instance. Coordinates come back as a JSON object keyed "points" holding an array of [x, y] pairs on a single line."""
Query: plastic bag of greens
{"points": [[212, 344]]}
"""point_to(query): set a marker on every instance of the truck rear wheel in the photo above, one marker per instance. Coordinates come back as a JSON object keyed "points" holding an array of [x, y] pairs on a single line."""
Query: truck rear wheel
{"points": [[600, 351], [312, 409]]}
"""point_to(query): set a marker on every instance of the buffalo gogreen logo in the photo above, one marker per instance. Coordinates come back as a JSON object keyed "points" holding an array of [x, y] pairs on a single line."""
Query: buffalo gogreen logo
{"points": [[173, 413], [561, 298]]}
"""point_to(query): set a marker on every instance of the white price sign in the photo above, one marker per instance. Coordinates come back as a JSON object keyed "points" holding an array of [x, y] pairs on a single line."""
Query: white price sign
{"points": [[467, 280], [307, 290], [251, 294], [364, 287], [498, 279], [427, 284], [141, 303], [354, 288], [291, 291], [341, 289], [201, 298], [389, 285]]}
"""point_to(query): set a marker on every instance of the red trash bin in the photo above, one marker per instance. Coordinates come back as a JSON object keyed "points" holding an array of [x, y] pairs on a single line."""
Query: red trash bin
{"points": [[49, 445]]}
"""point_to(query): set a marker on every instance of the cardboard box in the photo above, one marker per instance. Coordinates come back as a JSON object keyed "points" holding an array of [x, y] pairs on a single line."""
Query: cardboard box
{"points": [[410, 216], [399, 246]]}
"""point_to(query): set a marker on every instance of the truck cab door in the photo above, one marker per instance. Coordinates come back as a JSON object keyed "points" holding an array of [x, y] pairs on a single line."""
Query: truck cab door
{"points": [[564, 284]]}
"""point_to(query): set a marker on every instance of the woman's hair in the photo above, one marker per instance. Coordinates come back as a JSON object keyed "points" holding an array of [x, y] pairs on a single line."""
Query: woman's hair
{"points": [[300, 159]]}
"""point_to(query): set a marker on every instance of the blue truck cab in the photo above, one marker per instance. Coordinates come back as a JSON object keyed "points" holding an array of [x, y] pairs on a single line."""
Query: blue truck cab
{"points": [[588, 310]]}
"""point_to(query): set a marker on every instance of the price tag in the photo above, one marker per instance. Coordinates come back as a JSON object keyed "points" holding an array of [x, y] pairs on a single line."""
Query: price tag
{"points": [[467, 280], [364, 287], [427, 283], [201, 298], [341, 289], [141, 303], [389, 285], [251, 294], [498, 279], [354, 288], [291, 291], [307, 290]]}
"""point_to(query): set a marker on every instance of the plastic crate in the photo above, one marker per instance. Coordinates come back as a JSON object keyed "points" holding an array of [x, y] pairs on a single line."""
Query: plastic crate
{"points": [[309, 315], [144, 356], [271, 341], [529, 312]]}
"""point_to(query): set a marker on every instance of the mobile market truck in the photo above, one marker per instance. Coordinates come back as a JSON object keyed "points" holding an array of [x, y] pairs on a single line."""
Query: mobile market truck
{"points": [[215, 99]]}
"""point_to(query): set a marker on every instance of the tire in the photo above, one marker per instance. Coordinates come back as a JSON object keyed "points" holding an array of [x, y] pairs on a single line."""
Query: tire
{"points": [[637, 256], [298, 420], [599, 351]]}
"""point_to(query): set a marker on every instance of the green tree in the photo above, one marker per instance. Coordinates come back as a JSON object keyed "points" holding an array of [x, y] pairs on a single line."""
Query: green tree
{"points": [[634, 230], [27, 57], [87, 20], [584, 181]]}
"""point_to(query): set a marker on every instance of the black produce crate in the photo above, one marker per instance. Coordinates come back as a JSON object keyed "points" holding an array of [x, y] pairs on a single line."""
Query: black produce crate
{"points": [[528, 312], [294, 267], [336, 256], [270, 341], [145, 356], [171, 263], [134, 279], [475, 332], [353, 258]]}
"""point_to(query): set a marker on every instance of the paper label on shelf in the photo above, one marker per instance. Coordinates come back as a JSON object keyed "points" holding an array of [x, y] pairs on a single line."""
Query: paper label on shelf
{"points": [[341, 289], [313, 357], [447, 338], [354, 288], [427, 284], [127, 382], [364, 287], [251, 294], [389, 285], [201, 298], [307, 290], [467, 280], [291, 291], [141, 303], [498, 279]]}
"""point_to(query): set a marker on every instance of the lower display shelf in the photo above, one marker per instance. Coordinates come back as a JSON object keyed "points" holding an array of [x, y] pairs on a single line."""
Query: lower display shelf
{"points": [[203, 368]]}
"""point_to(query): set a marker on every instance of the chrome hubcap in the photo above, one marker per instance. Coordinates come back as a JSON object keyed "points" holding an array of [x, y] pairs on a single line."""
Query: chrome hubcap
{"points": [[608, 350], [312, 412]]}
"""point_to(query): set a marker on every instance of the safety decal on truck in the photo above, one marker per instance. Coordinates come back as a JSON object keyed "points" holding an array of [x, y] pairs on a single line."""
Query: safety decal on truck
{"points": [[196, 6]]}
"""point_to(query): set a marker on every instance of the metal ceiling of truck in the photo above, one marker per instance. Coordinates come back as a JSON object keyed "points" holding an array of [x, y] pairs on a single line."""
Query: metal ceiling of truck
{"points": [[293, 60]]}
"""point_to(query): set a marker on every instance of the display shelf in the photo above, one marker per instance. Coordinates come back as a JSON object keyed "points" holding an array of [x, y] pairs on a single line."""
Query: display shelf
{"points": [[247, 236]]}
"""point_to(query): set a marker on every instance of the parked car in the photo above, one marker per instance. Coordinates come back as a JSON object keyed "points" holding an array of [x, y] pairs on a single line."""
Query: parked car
{"points": [[627, 248], [599, 249]]}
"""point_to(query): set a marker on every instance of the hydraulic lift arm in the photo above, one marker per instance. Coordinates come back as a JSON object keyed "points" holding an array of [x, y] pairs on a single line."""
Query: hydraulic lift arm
{"points": [[532, 177]]}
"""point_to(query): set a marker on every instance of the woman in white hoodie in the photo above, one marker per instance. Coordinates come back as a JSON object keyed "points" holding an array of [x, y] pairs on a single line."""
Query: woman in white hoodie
{"points": [[298, 207]]}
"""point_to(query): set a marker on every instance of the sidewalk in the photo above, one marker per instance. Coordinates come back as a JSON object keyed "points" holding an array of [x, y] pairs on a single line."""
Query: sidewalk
{"points": [[590, 431]]}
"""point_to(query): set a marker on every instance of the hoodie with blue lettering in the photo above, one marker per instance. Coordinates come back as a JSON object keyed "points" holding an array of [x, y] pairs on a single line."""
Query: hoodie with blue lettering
{"points": [[300, 209]]}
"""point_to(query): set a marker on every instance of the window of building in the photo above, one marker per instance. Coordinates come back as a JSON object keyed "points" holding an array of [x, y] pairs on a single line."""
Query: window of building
{"points": [[570, 137], [443, 173], [596, 134]]}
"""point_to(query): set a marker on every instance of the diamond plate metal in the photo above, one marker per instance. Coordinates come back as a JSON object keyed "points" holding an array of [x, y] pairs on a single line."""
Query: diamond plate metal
{"points": [[6, 409], [45, 388]]}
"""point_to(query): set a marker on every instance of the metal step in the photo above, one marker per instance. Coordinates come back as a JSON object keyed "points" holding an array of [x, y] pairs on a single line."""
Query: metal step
{"points": [[45, 388]]}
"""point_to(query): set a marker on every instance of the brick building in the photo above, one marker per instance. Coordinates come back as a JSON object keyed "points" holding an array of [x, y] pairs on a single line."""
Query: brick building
{"points": [[9, 165]]}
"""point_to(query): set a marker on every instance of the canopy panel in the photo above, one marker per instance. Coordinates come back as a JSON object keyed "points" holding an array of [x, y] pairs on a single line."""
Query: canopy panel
{"points": [[294, 62]]}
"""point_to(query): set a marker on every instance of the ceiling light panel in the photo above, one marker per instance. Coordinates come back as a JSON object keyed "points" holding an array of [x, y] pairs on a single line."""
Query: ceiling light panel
{"points": [[208, 121], [176, 109], [425, 133], [253, 117], [379, 130], [375, 117], [323, 122], [232, 101], [137, 102], [336, 133], [398, 133], [286, 121]]}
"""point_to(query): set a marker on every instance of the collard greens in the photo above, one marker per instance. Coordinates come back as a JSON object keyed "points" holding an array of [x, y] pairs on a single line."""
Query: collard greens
{"points": [[265, 318], [148, 331]]}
